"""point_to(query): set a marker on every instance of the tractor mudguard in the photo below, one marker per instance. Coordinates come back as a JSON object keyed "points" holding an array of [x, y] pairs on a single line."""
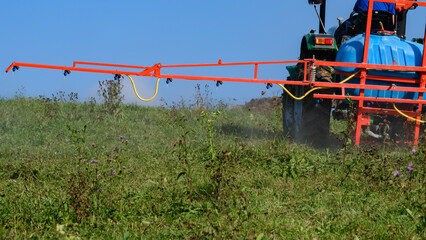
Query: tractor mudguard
{"points": [[292, 70], [310, 42]]}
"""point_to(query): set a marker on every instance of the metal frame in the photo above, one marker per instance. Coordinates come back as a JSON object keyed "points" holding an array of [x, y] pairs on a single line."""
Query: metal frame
{"points": [[155, 71]]}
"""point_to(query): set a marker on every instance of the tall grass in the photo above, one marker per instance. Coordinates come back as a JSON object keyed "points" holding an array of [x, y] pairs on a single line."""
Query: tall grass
{"points": [[74, 170]]}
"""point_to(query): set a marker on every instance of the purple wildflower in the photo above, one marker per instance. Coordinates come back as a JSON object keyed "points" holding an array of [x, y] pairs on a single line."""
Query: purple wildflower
{"points": [[117, 149], [413, 151], [84, 160], [94, 161], [121, 137], [396, 173], [410, 168], [14, 180], [124, 167], [112, 171]]}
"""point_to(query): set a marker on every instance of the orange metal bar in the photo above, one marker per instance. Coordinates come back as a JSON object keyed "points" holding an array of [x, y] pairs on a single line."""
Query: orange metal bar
{"points": [[151, 69], [370, 66], [386, 111], [370, 99], [107, 65], [10, 67], [360, 106], [358, 86], [424, 55], [383, 78], [233, 64], [305, 73], [368, 31], [363, 77], [421, 95], [32, 65]]}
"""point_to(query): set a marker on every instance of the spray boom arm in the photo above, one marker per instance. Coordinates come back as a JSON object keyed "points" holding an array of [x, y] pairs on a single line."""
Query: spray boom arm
{"points": [[156, 70]]}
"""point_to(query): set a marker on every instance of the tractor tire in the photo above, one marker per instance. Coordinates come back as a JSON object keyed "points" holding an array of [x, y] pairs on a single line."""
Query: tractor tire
{"points": [[288, 113], [307, 121], [315, 117]]}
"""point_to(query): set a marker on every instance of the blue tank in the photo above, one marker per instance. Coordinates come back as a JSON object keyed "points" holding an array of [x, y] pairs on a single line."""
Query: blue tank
{"points": [[385, 50]]}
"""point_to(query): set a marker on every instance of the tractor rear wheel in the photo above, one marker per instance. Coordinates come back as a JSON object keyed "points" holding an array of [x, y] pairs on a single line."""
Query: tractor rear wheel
{"points": [[307, 121]]}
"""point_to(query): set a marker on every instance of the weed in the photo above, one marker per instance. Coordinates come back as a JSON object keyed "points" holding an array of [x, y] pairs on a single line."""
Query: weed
{"points": [[216, 163], [92, 175], [349, 128], [184, 155], [202, 100], [52, 106], [20, 93], [207, 120], [348, 135], [78, 138], [111, 93]]}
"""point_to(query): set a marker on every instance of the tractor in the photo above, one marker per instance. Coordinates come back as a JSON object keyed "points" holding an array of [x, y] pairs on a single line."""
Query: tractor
{"points": [[308, 120]]}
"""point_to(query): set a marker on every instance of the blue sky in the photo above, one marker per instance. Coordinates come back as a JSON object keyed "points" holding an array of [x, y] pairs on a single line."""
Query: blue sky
{"points": [[137, 32]]}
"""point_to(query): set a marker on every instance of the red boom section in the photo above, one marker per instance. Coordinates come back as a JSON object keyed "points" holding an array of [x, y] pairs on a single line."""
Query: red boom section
{"points": [[156, 71]]}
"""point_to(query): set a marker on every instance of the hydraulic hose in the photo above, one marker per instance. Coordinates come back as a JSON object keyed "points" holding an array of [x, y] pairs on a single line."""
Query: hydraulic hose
{"points": [[314, 89], [136, 92], [405, 115]]}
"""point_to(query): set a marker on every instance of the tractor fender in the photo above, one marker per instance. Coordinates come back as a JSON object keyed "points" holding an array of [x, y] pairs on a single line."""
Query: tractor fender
{"points": [[309, 47]]}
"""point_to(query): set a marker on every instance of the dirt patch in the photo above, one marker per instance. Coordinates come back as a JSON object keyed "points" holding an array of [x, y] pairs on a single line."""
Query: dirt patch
{"points": [[266, 104]]}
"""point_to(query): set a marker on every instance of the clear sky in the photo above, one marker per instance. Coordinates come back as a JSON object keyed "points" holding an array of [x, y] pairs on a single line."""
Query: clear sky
{"points": [[138, 32]]}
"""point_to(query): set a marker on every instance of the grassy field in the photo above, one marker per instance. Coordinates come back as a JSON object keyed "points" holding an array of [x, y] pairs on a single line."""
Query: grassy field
{"points": [[87, 171]]}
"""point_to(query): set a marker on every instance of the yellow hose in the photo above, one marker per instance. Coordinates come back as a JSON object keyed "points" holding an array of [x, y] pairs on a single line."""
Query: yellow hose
{"points": [[314, 89], [405, 115], [136, 92], [302, 97]]}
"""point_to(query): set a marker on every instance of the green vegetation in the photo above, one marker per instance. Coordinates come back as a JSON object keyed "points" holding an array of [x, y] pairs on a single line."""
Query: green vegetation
{"points": [[90, 171]]}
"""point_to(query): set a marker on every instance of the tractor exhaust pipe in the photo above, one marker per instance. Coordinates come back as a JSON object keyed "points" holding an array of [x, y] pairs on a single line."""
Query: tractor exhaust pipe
{"points": [[322, 17], [321, 14]]}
